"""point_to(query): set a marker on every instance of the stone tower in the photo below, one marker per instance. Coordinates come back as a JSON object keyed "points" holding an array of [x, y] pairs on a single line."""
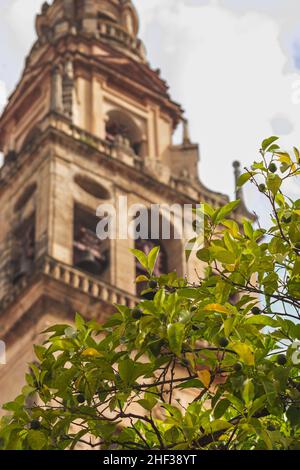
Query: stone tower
{"points": [[89, 121]]}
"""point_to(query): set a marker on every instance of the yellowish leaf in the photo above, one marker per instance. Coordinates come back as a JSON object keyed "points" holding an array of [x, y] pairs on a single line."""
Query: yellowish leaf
{"points": [[231, 267], [284, 158], [228, 326], [141, 279], [191, 358], [92, 352], [233, 227], [205, 377], [216, 308], [245, 353]]}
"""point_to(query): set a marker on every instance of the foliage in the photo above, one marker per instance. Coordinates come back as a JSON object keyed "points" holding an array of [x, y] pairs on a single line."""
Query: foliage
{"points": [[212, 365]]}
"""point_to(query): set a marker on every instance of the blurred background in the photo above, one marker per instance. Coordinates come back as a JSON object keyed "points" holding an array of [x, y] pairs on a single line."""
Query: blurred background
{"points": [[232, 64]]}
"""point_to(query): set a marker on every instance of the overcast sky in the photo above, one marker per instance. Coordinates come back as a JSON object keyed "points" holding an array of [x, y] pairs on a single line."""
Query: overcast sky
{"points": [[232, 64]]}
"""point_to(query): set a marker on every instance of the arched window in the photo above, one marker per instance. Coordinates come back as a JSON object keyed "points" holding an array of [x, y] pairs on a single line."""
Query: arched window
{"points": [[90, 254], [24, 249], [122, 130], [31, 137], [92, 187], [171, 253], [129, 22], [161, 266]]}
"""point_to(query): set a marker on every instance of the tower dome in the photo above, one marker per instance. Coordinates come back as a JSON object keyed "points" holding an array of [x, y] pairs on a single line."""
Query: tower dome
{"points": [[113, 21]]}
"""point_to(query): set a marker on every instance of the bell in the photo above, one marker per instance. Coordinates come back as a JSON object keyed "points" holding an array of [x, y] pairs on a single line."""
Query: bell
{"points": [[88, 263], [23, 268]]}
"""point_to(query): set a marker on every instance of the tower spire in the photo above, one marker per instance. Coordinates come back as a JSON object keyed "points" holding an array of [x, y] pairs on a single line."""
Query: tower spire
{"points": [[237, 173], [186, 140]]}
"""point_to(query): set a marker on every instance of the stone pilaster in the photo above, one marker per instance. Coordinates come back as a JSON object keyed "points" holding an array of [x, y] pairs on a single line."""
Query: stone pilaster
{"points": [[56, 89], [68, 88]]}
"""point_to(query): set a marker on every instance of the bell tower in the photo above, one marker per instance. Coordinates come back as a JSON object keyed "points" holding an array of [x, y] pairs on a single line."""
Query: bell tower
{"points": [[88, 122]]}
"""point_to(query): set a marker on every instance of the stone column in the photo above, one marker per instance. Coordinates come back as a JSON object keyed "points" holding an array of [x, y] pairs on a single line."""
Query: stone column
{"points": [[56, 89], [123, 261], [186, 140], [68, 88], [60, 212], [237, 173]]}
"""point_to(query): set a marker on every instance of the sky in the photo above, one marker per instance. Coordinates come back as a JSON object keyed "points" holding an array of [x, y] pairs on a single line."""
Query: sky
{"points": [[234, 65]]}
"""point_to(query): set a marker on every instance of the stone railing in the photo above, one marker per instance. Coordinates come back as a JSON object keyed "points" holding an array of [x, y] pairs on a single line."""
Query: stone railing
{"points": [[117, 150], [116, 33], [74, 278], [64, 125], [86, 283], [114, 150]]}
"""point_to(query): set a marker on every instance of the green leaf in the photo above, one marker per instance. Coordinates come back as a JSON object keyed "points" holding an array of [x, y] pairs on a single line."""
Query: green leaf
{"points": [[39, 352], [218, 425], [59, 330], [203, 255], [148, 403], [268, 142], [192, 383], [130, 370], [62, 345], [262, 320], [270, 390], [159, 298], [228, 326], [293, 415], [274, 183], [248, 392], [176, 337], [233, 227], [257, 405], [224, 211], [296, 269], [113, 403], [266, 438], [245, 352], [207, 209], [273, 148], [152, 258], [248, 230], [237, 403], [221, 408], [79, 322], [222, 255], [126, 370], [36, 440], [188, 292], [141, 257], [244, 178]]}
